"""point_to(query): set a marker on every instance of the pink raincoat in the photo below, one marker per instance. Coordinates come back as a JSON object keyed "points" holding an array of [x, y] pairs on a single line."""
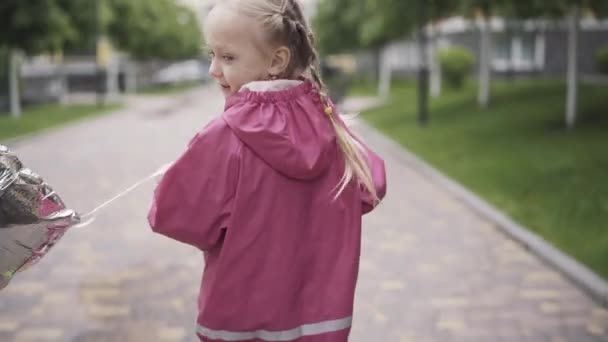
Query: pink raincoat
{"points": [[255, 192]]}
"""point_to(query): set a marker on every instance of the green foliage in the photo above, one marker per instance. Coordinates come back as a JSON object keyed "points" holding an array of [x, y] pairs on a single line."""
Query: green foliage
{"points": [[475, 7], [385, 20], [343, 25], [154, 29], [336, 26], [90, 19], [601, 60], [146, 29], [456, 64], [34, 26], [525, 9], [440, 9], [549, 8]]}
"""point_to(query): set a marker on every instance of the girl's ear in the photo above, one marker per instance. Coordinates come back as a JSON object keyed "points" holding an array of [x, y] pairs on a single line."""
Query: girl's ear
{"points": [[280, 61]]}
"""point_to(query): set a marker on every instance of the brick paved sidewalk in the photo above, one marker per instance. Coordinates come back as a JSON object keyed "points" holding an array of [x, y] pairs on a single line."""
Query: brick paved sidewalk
{"points": [[431, 269]]}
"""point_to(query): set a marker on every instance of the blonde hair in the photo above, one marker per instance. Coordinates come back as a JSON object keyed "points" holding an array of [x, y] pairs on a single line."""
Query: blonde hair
{"points": [[285, 24]]}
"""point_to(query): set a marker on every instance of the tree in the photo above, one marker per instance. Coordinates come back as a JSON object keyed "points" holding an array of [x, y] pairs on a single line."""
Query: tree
{"points": [[145, 29], [343, 25], [89, 19], [385, 20], [508, 9], [347, 25], [483, 10], [572, 10], [336, 25], [423, 72], [154, 29], [30, 27], [439, 9]]}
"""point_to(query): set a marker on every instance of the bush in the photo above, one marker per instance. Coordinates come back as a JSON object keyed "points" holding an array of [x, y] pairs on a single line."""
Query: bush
{"points": [[601, 60], [456, 63]]}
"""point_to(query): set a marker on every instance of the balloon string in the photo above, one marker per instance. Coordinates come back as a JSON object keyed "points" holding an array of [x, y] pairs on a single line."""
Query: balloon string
{"points": [[88, 218]]}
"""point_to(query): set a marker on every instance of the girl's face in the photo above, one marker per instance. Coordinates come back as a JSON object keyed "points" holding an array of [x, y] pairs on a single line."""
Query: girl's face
{"points": [[235, 45]]}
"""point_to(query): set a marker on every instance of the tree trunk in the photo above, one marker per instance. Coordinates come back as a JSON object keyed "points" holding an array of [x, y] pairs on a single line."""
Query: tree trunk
{"points": [[131, 78], [435, 67], [423, 71], [15, 98], [63, 79], [509, 36], [384, 82], [485, 62], [376, 56], [112, 91], [572, 96]]}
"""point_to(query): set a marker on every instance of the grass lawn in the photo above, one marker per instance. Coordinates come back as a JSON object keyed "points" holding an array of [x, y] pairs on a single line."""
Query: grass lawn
{"points": [[518, 155], [171, 89], [40, 117]]}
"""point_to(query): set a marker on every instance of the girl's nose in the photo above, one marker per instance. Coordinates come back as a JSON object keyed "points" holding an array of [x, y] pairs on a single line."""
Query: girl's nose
{"points": [[214, 70]]}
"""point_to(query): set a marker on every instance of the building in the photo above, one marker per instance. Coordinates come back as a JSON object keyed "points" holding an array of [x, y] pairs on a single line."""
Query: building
{"points": [[533, 47]]}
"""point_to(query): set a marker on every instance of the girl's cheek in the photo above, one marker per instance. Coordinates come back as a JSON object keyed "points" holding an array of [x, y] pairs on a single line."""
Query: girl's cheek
{"points": [[227, 71]]}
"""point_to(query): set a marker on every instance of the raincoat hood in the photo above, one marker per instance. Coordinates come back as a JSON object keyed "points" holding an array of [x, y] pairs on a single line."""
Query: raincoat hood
{"points": [[284, 123]]}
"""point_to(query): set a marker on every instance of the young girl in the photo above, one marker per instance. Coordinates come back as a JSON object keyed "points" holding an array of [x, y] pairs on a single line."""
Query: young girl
{"points": [[272, 191]]}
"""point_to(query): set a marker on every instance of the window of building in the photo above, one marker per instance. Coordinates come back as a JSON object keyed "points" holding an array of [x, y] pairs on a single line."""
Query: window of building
{"points": [[521, 51]]}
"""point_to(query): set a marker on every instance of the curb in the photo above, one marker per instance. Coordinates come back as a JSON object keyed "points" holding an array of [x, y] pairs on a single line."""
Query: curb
{"points": [[579, 274]]}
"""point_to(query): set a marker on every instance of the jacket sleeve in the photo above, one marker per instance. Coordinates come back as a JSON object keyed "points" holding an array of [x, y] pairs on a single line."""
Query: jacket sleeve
{"points": [[379, 178], [192, 202]]}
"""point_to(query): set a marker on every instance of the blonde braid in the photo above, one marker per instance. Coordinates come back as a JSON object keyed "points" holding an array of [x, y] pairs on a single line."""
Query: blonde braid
{"points": [[356, 162]]}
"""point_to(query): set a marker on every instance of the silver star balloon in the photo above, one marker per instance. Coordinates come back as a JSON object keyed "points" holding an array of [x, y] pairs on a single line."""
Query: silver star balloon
{"points": [[32, 217]]}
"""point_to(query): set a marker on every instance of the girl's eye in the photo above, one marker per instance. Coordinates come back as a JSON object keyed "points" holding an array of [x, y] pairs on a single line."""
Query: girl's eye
{"points": [[211, 55], [228, 58]]}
